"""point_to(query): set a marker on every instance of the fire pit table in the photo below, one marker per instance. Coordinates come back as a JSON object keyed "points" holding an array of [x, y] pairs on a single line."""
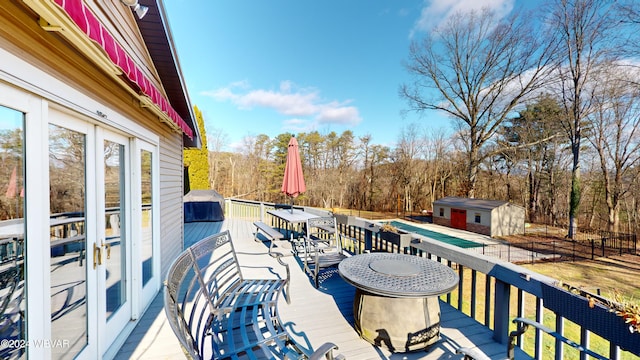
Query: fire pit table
{"points": [[396, 302]]}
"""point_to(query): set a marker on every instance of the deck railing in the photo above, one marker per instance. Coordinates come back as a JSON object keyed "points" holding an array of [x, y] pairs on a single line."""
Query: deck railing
{"points": [[493, 292]]}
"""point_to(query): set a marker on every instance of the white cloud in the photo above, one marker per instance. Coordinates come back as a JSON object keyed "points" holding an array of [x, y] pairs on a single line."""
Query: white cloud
{"points": [[289, 100], [295, 122], [336, 113], [298, 125], [436, 12]]}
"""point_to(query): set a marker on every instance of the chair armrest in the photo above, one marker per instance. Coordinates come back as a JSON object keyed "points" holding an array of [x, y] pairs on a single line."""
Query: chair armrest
{"points": [[286, 266], [325, 351], [278, 256]]}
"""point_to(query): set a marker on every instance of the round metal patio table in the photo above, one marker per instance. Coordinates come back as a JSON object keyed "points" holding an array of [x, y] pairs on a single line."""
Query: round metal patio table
{"points": [[396, 302]]}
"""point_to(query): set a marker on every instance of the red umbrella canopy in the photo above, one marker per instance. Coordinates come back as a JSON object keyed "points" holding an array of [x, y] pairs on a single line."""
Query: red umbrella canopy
{"points": [[13, 186], [293, 182]]}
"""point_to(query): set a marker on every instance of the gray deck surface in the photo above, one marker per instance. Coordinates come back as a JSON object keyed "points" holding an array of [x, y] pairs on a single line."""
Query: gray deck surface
{"points": [[314, 315]]}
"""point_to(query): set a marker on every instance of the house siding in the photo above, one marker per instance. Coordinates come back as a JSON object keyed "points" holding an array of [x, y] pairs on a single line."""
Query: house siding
{"points": [[171, 209], [21, 35], [508, 220], [47, 68]]}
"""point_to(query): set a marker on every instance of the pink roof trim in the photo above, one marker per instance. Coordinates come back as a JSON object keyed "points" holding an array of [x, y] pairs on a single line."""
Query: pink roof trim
{"points": [[90, 25]]}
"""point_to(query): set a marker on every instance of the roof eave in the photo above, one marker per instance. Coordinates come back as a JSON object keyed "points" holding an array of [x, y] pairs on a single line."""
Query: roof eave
{"points": [[157, 36]]}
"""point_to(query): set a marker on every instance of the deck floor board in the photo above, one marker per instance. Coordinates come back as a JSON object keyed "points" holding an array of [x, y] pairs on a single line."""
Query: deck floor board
{"points": [[314, 315]]}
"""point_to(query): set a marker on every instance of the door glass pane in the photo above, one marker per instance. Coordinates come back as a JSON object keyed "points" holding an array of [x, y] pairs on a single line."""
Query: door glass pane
{"points": [[12, 297], [147, 219], [67, 184], [114, 242]]}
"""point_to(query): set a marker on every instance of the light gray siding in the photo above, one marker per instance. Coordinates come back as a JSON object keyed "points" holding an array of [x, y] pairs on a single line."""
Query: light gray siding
{"points": [[171, 192], [508, 219]]}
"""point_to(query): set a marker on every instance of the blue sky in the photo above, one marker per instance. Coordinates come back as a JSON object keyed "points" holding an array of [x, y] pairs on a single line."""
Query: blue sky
{"points": [[268, 67]]}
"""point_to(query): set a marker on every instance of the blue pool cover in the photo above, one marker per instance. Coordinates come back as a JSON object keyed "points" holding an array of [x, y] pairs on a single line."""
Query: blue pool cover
{"points": [[452, 240]]}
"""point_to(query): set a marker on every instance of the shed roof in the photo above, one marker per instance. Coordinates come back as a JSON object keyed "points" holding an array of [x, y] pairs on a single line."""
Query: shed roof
{"points": [[482, 204]]}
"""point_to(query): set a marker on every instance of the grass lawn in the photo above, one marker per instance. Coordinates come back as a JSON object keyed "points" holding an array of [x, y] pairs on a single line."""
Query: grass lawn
{"points": [[606, 274]]}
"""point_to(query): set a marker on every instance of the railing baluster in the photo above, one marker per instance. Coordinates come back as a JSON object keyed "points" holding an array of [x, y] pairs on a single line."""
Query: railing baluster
{"points": [[560, 330], [474, 280], [460, 286], [540, 319], [487, 301], [614, 351], [501, 312], [584, 341]]}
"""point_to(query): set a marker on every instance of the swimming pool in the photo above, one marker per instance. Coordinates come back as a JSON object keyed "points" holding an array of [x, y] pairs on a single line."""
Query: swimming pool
{"points": [[452, 240]]}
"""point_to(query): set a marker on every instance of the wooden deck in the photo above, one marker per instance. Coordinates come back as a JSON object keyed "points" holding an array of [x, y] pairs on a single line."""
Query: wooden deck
{"points": [[314, 315]]}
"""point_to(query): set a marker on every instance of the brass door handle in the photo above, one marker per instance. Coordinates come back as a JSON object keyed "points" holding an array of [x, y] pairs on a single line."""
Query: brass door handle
{"points": [[97, 255], [107, 247]]}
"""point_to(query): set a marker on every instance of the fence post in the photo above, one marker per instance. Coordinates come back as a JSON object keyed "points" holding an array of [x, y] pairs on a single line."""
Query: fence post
{"points": [[620, 245], [604, 239], [368, 240], [532, 253], [262, 211], [593, 249]]}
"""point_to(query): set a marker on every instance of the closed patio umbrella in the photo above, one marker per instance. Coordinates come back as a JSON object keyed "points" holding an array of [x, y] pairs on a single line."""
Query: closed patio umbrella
{"points": [[13, 186], [293, 182]]}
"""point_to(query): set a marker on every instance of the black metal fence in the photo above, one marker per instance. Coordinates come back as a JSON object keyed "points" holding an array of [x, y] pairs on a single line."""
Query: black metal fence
{"points": [[560, 250], [608, 241]]}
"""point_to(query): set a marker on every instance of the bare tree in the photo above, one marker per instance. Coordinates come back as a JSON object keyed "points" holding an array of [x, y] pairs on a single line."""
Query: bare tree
{"points": [[437, 153], [586, 34], [629, 11], [405, 163], [216, 139], [477, 69], [616, 138]]}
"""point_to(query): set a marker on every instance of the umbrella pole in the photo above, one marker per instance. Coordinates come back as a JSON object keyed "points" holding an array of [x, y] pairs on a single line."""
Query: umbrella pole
{"points": [[291, 209]]}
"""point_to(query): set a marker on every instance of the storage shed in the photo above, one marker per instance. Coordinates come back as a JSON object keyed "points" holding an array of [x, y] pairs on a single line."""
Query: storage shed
{"points": [[488, 217]]}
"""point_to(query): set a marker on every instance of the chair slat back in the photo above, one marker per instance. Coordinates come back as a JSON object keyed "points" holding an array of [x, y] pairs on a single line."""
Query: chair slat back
{"points": [[324, 228], [197, 281], [216, 262]]}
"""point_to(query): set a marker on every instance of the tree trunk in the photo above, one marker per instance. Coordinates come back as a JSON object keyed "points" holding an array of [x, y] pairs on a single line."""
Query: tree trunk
{"points": [[574, 202], [473, 169]]}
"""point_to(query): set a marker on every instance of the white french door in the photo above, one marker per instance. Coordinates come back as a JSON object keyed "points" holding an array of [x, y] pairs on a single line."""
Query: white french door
{"points": [[112, 249], [145, 274], [72, 204], [106, 192]]}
